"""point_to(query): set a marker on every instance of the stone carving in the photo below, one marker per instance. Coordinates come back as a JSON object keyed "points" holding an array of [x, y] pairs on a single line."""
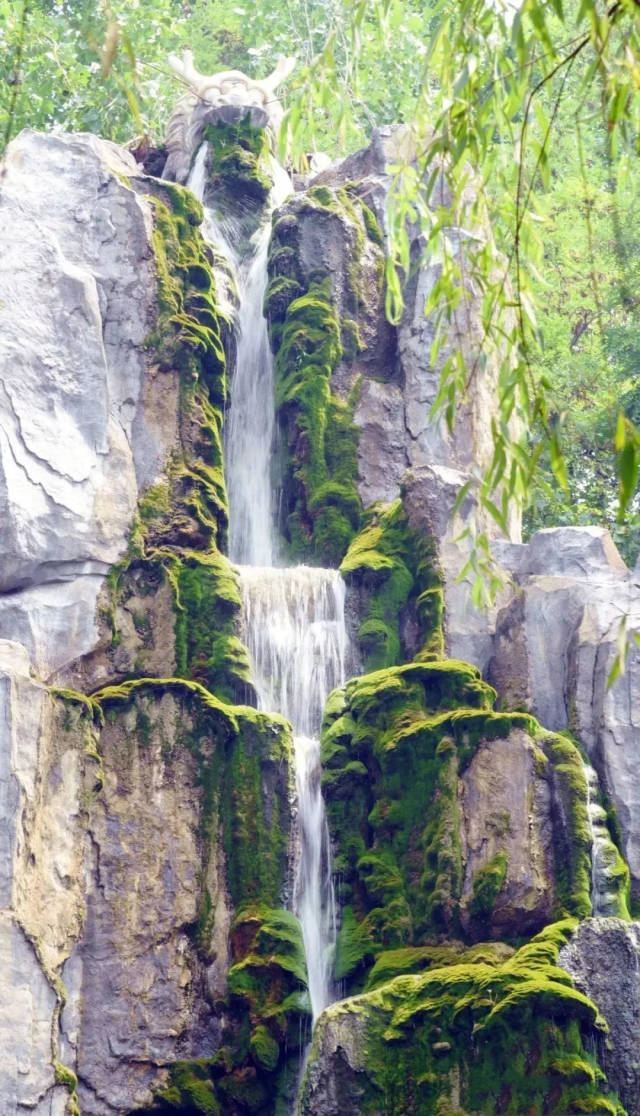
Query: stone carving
{"points": [[225, 97]]}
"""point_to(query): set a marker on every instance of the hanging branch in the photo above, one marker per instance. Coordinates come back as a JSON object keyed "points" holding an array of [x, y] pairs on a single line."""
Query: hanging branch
{"points": [[16, 79]]}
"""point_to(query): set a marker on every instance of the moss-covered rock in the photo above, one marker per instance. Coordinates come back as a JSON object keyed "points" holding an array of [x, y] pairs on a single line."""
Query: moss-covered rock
{"points": [[469, 1038], [316, 312], [396, 574], [442, 814], [266, 1023], [238, 165]]}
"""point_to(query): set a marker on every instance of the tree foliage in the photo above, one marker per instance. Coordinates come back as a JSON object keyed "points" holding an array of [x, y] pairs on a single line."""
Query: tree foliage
{"points": [[535, 105]]}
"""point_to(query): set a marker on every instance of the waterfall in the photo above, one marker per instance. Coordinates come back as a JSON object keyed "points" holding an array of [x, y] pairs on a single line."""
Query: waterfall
{"points": [[294, 625], [604, 892], [296, 637]]}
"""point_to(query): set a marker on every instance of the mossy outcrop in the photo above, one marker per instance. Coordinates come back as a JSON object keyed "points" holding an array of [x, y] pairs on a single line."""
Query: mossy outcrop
{"points": [[448, 818], [324, 296], [266, 1021], [394, 571], [481, 1037], [238, 175]]}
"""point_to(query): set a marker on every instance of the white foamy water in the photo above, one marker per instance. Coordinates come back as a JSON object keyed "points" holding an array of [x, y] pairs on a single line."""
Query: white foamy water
{"points": [[249, 430], [604, 900], [294, 625], [297, 641]]}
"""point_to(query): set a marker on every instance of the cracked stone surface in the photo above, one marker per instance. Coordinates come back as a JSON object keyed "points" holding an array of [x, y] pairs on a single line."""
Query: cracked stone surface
{"points": [[554, 646], [75, 444], [134, 984], [28, 999], [86, 423], [506, 808]]}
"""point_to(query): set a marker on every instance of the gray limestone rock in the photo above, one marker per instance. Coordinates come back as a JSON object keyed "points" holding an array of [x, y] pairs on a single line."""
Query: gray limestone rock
{"points": [[138, 988], [430, 493], [396, 427], [29, 996], [603, 958], [90, 895], [505, 808], [336, 1076], [76, 445], [554, 646]]}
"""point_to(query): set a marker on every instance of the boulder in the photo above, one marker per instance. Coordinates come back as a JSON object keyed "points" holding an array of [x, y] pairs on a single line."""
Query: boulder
{"points": [[603, 958]]}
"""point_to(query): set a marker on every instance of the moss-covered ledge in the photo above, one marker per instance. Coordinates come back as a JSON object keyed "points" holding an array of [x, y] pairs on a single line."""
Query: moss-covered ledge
{"points": [[479, 1036]]}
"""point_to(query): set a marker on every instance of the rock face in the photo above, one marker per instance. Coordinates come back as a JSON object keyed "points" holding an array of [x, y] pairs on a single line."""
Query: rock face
{"points": [[380, 379], [79, 438], [436, 1065], [602, 957], [134, 822], [135, 993], [554, 648], [506, 812], [30, 999]]}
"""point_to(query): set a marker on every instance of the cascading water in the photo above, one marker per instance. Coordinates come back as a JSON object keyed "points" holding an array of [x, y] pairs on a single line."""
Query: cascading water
{"points": [[293, 618], [249, 431], [296, 637], [604, 896]]}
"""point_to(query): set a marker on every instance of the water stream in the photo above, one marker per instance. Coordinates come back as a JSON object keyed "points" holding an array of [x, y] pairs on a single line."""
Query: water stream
{"points": [[604, 899], [294, 625], [296, 637]]}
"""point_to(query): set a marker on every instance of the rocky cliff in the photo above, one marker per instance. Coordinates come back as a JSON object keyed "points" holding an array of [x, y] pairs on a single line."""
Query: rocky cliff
{"points": [[151, 962]]}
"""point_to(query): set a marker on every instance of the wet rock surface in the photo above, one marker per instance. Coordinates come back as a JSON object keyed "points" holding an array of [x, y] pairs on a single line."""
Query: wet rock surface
{"points": [[603, 957]]}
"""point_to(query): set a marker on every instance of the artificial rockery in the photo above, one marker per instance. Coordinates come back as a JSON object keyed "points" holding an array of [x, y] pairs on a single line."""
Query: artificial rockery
{"points": [[479, 776]]}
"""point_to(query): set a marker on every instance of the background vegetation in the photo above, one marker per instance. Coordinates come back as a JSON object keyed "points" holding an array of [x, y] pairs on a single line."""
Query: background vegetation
{"points": [[541, 98]]}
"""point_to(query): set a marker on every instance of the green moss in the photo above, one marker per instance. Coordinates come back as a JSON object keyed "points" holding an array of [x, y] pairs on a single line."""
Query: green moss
{"points": [[207, 607], [65, 1076], [354, 947], [238, 164], [264, 1048], [325, 506], [188, 339], [574, 1069], [394, 743], [508, 1033], [396, 569], [399, 962], [320, 467], [487, 885], [572, 832], [190, 1090], [374, 232]]}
